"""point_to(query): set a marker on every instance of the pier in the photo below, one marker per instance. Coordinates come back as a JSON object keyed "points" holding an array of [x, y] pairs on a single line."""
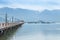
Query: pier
{"points": [[6, 25]]}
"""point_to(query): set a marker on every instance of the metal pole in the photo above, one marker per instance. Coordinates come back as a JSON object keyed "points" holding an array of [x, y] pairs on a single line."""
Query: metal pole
{"points": [[12, 19], [6, 22], [6, 18]]}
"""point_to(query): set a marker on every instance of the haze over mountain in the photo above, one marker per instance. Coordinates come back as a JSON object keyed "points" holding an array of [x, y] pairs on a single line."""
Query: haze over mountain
{"points": [[31, 15], [22, 14], [50, 15]]}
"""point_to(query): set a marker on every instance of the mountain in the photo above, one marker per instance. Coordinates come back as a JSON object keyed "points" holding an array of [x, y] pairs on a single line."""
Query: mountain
{"points": [[23, 14], [50, 15], [2, 19], [31, 15]]}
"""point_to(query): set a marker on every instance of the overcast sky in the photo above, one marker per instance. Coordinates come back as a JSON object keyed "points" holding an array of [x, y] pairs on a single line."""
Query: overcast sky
{"points": [[31, 4]]}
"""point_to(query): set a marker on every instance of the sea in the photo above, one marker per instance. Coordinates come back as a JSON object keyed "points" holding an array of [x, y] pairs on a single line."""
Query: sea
{"points": [[33, 32]]}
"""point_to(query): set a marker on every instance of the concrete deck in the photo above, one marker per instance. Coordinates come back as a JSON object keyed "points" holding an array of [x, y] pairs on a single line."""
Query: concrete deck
{"points": [[8, 25]]}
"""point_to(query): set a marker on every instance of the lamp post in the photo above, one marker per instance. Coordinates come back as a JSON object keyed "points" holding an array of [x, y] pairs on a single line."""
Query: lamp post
{"points": [[6, 19]]}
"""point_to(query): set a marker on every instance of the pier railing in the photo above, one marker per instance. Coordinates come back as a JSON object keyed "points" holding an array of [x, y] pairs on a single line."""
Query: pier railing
{"points": [[5, 25]]}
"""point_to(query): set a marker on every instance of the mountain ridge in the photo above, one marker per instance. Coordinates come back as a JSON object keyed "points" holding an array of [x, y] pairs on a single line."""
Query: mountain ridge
{"points": [[31, 15]]}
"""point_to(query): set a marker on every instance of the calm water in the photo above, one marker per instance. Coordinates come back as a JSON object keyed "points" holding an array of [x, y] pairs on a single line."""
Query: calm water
{"points": [[34, 32]]}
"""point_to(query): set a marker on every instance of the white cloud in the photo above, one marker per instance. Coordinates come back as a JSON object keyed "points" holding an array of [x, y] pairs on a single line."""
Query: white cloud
{"points": [[31, 7], [33, 4]]}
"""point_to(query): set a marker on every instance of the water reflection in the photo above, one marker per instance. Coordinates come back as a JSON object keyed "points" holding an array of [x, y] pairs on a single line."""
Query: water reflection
{"points": [[38, 32], [9, 33], [33, 32]]}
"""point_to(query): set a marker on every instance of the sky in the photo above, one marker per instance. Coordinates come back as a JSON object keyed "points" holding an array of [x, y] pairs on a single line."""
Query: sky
{"points": [[31, 4]]}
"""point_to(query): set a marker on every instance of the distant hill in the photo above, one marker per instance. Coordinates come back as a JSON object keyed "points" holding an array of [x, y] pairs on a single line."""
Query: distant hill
{"points": [[50, 15], [23, 14], [31, 15], [2, 19]]}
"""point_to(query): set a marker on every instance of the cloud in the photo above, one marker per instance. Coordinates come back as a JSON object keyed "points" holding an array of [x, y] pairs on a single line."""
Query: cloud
{"points": [[7, 2], [4, 2], [31, 7], [31, 4], [53, 3]]}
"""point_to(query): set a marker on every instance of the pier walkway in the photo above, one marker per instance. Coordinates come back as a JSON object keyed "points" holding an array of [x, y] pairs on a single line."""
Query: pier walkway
{"points": [[12, 24], [8, 25]]}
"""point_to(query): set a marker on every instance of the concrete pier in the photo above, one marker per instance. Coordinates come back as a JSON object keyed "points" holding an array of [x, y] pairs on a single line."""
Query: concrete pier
{"points": [[5, 26]]}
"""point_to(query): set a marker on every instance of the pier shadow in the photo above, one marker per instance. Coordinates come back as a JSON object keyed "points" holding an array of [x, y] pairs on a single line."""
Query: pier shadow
{"points": [[8, 33]]}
